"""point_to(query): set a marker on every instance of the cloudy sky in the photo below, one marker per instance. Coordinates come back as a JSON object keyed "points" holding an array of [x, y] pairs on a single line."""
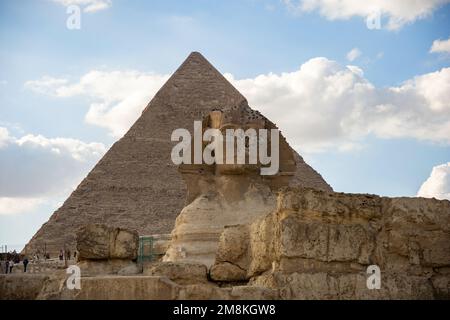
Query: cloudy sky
{"points": [[360, 88]]}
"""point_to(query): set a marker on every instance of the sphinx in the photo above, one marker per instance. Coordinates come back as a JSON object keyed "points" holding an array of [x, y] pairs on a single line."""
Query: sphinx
{"points": [[224, 192]]}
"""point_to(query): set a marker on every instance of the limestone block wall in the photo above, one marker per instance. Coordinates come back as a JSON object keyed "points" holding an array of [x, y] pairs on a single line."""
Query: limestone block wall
{"points": [[318, 245], [21, 286]]}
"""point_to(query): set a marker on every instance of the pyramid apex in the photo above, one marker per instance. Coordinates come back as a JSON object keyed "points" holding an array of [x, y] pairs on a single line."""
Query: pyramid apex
{"points": [[195, 53], [196, 56]]}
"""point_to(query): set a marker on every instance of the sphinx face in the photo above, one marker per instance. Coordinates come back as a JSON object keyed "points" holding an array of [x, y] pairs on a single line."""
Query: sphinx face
{"points": [[239, 142], [240, 154]]}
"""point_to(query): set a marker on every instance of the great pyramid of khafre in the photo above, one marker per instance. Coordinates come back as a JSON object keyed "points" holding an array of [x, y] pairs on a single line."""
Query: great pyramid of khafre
{"points": [[135, 185]]}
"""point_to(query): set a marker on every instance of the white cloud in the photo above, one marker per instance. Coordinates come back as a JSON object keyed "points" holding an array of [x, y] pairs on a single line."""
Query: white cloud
{"points": [[89, 6], [398, 13], [34, 168], [353, 54], [321, 105], [76, 149], [4, 137], [438, 184], [45, 85], [18, 205], [118, 97], [325, 105], [440, 46]]}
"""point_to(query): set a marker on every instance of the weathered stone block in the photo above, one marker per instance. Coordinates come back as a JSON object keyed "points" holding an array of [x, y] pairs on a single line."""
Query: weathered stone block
{"points": [[233, 243], [97, 242], [91, 268], [21, 286], [180, 272], [299, 239], [126, 287], [225, 271], [93, 242]]}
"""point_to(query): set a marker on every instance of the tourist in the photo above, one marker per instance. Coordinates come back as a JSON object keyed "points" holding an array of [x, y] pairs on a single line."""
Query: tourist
{"points": [[6, 266], [75, 255], [25, 263], [61, 255], [11, 266], [68, 254]]}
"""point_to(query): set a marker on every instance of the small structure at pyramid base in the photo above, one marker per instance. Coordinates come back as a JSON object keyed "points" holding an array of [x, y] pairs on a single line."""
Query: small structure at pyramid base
{"points": [[224, 193]]}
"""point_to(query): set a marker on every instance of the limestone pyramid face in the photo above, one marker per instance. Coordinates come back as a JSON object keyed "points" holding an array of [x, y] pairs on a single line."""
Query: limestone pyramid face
{"points": [[135, 185]]}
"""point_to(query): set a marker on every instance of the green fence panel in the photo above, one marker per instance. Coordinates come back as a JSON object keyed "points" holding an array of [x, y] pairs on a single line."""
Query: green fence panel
{"points": [[145, 249]]}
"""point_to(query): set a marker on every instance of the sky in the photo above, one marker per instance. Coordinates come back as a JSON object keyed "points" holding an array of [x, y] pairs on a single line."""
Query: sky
{"points": [[361, 89]]}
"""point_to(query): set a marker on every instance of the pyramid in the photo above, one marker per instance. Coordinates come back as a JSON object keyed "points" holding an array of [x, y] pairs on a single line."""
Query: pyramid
{"points": [[135, 185]]}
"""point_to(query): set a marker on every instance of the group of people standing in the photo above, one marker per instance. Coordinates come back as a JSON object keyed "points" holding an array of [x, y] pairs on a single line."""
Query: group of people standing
{"points": [[66, 255], [11, 260], [10, 264]]}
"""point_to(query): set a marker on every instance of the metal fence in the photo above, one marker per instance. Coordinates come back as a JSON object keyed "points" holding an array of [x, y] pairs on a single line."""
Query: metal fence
{"points": [[146, 252]]}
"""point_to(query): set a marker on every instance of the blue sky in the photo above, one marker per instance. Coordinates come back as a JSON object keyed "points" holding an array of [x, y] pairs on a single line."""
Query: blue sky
{"points": [[45, 104]]}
